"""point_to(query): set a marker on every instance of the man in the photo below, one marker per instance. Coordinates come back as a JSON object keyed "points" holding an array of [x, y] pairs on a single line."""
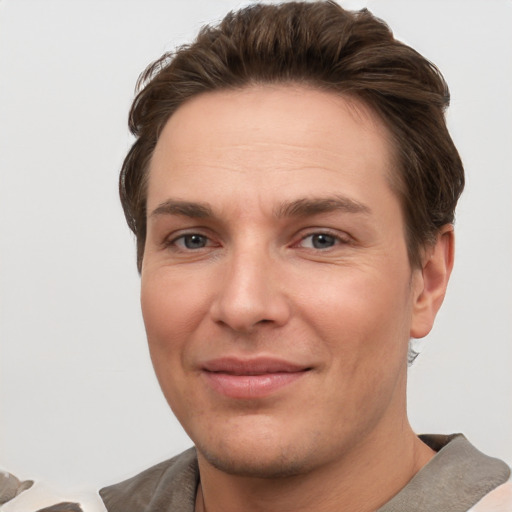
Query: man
{"points": [[292, 188]]}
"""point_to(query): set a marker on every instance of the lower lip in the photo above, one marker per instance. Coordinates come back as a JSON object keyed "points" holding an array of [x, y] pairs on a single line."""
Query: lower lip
{"points": [[250, 386]]}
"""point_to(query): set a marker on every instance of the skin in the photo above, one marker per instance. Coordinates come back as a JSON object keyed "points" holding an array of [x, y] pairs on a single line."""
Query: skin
{"points": [[300, 255]]}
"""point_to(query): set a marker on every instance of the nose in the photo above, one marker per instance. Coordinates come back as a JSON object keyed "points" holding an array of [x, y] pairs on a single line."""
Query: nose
{"points": [[250, 293]]}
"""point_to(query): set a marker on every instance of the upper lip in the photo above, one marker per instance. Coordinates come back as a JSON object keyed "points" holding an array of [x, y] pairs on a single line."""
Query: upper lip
{"points": [[253, 366]]}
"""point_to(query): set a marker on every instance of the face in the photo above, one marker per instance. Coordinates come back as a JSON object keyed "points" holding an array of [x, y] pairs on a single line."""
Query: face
{"points": [[276, 289]]}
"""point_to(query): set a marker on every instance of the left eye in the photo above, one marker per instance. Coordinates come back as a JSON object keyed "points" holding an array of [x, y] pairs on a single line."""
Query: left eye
{"points": [[319, 241], [192, 241]]}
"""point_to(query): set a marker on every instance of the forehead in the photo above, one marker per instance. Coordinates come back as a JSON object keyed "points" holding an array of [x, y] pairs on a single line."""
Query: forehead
{"points": [[280, 141]]}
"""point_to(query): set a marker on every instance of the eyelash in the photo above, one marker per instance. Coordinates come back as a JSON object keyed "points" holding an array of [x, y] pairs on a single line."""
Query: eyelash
{"points": [[335, 238], [174, 243]]}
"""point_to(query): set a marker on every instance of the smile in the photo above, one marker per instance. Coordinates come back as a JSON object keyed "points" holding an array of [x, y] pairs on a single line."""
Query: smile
{"points": [[249, 379]]}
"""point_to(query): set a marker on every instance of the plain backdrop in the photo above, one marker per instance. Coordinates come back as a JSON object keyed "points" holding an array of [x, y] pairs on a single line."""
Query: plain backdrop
{"points": [[79, 403]]}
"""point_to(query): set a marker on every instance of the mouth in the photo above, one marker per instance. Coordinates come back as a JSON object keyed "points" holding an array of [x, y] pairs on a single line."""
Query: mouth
{"points": [[251, 378]]}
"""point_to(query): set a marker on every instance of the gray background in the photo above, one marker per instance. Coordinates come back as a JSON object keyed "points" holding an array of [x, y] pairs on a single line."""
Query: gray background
{"points": [[79, 403]]}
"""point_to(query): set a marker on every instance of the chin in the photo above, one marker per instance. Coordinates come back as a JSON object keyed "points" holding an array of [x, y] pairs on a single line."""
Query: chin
{"points": [[255, 465], [263, 452]]}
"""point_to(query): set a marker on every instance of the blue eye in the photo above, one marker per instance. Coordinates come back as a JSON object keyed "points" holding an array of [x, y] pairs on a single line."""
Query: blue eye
{"points": [[322, 241], [192, 241], [319, 241]]}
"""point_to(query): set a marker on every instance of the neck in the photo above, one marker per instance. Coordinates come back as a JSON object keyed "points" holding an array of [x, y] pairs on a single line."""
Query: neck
{"points": [[368, 476]]}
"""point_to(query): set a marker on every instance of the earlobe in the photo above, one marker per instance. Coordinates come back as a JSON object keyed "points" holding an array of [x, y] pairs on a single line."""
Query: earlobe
{"points": [[433, 281]]}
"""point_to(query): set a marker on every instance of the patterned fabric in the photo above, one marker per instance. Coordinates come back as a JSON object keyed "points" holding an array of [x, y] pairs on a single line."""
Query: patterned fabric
{"points": [[10, 487], [27, 496]]}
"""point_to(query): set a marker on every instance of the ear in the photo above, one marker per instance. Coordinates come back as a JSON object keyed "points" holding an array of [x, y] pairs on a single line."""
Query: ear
{"points": [[432, 280]]}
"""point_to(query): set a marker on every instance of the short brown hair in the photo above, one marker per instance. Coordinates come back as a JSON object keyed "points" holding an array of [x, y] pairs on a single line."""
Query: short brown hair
{"points": [[317, 44]]}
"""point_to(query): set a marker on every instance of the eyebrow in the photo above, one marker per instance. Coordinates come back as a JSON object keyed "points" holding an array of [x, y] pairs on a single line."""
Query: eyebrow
{"points": [[306, 207], [303, 207], [184, 208]]}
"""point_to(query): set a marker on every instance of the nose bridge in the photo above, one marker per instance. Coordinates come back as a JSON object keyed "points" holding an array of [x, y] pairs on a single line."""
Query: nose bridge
{"points": [[249, 292]]}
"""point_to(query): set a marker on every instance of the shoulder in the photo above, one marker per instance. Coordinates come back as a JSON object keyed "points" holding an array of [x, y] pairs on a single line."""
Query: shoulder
{"points": [[498, 500], [458, 477], [172, 482], [476, 480]]}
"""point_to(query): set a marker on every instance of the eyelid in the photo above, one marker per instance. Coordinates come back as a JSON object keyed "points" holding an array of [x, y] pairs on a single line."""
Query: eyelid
{"points": [[170, 240], [341, 237], [183, 238]]}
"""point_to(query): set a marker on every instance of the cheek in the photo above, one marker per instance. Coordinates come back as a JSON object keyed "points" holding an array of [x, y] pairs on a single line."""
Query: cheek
{"points": [[364, 316], [171, 308], [171, 311]]}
